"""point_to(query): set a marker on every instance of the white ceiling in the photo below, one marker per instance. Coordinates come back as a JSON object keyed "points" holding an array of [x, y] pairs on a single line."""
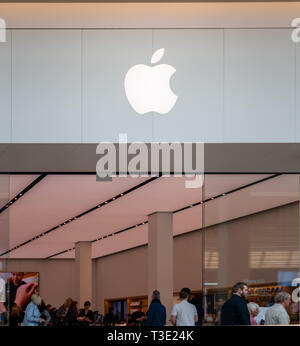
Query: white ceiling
{"points": [[60, 197]]}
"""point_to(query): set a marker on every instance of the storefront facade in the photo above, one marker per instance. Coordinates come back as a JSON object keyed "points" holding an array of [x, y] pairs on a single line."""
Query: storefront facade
{"points": [[234, 71]]}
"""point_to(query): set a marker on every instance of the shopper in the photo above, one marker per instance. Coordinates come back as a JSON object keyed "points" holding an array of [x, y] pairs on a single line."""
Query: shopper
{"points": [[2, 296], [44, 314], [277, 313], [184, 313], [218, 309], [61, 314], [72, 315], [97, 318], [15, 319], [109, 318], [197, 303], [261, 316], [234, 310], [157, 312], [3, 310], [253, 311], [54, 320], [32, 314], [138, 318], [86, 316]]}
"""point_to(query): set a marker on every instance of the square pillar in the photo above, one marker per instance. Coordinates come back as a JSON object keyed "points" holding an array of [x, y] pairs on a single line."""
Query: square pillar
{"points": [[160, 258], [83, 260]]}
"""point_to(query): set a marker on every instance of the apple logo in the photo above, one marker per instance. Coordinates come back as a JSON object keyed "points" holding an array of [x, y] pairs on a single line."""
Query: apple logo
{"points": [[148, 88]]}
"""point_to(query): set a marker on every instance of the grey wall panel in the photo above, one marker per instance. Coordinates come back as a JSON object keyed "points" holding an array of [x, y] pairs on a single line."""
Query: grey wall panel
{"points": [[197, 57], [259, 86], [236, 85], [107, 56], [46, 86], [5, 89]]}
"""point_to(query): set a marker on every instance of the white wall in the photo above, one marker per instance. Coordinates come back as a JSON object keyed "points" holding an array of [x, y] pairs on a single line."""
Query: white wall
{"points": [[237, 79]]}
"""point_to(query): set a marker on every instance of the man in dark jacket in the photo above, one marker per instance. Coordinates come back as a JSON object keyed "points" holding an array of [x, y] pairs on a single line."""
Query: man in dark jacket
{"points": [[156, 315], [235, 311]]}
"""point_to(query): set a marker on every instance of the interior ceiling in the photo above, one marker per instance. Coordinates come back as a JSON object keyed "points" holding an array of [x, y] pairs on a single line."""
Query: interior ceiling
{"points": [[57, 198]]}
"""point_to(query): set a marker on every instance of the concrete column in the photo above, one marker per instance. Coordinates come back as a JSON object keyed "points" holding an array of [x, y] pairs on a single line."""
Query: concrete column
{"points": [[160, 257], [83, 260]]}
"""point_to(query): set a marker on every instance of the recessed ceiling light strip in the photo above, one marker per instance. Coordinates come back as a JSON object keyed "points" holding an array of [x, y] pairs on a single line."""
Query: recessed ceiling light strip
{"points": [[134, 188], [227, 193], [178, 210], [22, 193], [103, 237]]}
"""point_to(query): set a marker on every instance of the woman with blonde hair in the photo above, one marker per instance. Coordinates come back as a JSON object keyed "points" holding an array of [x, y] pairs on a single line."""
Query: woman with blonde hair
{"points": [[253, 311], [61, 314]]}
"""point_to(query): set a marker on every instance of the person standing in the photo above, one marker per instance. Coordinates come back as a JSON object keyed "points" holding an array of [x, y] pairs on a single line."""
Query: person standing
{"points": [[235, 311], [44, 314], [253, 311], [137, 318], [15, 316], [61, 314], [261, 316], [72, 315], [86, 316], [184, 313], [157, 312], [109, 318], [197, 303], [3, 310], [32, 313], [219, 305], [277, 313]]}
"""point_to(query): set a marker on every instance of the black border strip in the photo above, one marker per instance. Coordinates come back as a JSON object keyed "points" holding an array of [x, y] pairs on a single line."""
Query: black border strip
{"points": [[83, 213], [22, 193], [174, 212]]}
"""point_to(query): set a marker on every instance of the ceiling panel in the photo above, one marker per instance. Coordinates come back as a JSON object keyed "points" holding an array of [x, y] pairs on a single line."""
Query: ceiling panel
{"points": [[58, 198], [269, 194], [163, 194], [19, 182], [14, 184]]}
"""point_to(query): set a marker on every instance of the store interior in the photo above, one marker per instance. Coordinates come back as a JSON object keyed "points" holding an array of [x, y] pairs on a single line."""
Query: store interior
{"points": [[236, 227]]}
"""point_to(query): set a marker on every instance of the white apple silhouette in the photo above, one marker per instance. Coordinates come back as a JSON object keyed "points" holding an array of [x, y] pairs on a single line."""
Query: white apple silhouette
{"points": [[148, 88]]}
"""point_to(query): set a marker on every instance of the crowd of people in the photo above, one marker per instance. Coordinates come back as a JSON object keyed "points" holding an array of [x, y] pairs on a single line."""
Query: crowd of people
{"points": [[39, 314], [237, 310], [188, 312]]}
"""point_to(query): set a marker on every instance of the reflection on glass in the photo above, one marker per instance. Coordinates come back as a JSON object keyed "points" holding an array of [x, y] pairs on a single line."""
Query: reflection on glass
{"points": [[251, 235]]}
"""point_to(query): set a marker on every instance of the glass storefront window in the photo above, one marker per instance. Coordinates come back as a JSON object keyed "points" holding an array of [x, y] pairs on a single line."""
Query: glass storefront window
{"points": [[251, 234], [4, 241]]}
